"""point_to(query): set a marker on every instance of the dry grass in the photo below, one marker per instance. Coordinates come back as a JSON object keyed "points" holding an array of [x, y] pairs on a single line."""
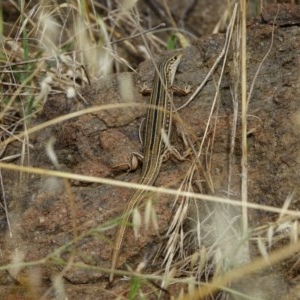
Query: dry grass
{"points": [[56, 48]]}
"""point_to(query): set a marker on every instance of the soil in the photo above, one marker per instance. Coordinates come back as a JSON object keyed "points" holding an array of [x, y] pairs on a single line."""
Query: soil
{"points": [[47, 213]]}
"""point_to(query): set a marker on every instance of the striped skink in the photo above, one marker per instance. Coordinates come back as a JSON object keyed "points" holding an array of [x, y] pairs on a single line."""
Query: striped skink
{"points": [[159, 117]]}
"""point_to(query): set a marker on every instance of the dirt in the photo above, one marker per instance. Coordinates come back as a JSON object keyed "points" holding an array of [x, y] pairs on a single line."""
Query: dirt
{"points": [[47, 213]]}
